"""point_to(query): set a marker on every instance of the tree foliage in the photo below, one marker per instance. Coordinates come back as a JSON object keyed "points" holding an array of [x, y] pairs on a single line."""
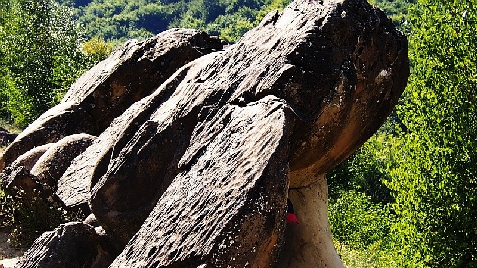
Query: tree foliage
{"points": [[428, 162], [395, 9], [40, 57], [121, 19], [433, 176]]}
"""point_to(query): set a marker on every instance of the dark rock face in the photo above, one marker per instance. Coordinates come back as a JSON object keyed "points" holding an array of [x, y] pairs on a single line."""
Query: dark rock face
{"points": [[70, 245], [6, 137], [197, 172], [234, 204]]}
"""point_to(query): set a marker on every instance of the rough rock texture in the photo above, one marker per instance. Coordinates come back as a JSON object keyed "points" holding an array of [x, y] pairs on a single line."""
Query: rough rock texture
{"points": [[52, 164], [18, 177], [131, 72], [197, 173], [69, 245], [234, 204], [29, 159]]}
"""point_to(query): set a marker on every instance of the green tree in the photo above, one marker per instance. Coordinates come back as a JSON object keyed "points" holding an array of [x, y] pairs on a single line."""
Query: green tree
{"points": [[395, 9], [120, 19], [434, 174], [40, 56]]}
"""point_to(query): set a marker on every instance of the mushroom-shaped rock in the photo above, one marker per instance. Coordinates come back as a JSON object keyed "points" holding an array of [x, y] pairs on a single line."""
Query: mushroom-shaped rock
{"points": [[131, 72], [198, 173], [340, 66]]}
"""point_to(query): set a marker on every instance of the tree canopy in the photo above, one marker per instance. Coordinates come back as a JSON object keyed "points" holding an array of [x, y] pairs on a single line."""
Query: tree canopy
{"points": [[40, 57], [427, 162], [120, 19]]}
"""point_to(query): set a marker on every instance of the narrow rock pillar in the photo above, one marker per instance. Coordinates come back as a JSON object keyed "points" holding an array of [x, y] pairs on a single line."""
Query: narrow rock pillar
{"points": [[309, 244]]}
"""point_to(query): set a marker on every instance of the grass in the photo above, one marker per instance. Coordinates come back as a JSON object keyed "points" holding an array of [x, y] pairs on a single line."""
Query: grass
{"points": [[374, 256]]}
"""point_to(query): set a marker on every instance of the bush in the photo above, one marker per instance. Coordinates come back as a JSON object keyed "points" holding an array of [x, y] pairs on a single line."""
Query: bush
{"points": [[28, 217]]}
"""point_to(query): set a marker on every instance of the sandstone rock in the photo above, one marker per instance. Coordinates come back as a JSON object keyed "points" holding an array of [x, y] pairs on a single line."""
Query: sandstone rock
{"points": [[70, 245], [29, 159], [234, 204], [27, 190], [340, 65], [18, 177], [131, 72], [52, 164], [310, 243], [58, 122]]}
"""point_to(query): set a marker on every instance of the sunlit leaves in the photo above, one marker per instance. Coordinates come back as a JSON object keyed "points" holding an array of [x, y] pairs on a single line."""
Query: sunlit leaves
{"points": [[120, 19], [433, 183], [429, 159], [40, 56]]}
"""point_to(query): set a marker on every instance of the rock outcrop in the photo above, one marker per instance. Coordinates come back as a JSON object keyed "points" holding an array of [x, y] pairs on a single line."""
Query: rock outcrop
{"points": [[197, 172]]}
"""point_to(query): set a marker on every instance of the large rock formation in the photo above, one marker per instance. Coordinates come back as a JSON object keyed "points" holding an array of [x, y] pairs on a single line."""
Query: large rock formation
{"points": [[197, 172]]}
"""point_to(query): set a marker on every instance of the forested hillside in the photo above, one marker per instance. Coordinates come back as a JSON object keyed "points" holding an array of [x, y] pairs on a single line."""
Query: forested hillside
{"points": [[121, 19], [229, 19], [407, 198]]}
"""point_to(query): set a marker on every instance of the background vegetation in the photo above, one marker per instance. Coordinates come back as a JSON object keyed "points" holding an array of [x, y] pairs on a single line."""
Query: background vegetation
{"points": [[407, 198], [419, 169]]}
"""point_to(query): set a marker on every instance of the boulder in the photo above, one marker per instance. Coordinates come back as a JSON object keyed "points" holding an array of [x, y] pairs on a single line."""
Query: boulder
{"points": [[198, 172], [72, 245], [315, 57], [29, 159], [131, 72], [53, 163], [50, 127], [234, 204], [17, 176]]}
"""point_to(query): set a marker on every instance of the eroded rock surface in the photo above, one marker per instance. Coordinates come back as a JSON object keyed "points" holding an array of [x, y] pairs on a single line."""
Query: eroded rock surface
{"points": [[197, 172], [52, 164]]}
